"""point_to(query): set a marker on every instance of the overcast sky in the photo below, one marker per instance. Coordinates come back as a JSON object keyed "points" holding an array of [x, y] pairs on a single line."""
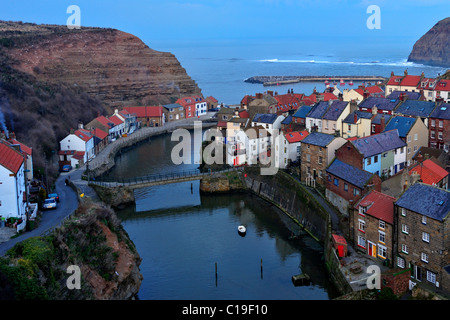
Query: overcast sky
{"points": [[174, 20]]}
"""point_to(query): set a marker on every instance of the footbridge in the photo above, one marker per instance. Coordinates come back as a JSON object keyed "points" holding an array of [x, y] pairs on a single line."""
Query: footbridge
{"points": [[157, 179]]}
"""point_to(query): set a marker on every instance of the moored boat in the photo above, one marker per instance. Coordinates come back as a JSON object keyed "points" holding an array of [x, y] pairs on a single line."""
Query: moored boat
{"points": [[242, 229]]}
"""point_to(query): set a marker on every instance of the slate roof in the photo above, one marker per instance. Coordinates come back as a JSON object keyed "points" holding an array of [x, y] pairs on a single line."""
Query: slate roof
{"points": [[172, 106], [402, 124], [302, 112], [319, 139], [377, 119], [379, 205], [416, 108], [265, 117], [287, 120], [411, 95], [318, 110], [335, 110], [359, 114], [349, 173], [380, 103], [441, 112], [427, 200], [379, 143]]}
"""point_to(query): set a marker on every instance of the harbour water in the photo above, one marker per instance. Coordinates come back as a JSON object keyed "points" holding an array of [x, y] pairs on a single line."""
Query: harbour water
{"points": [[182, 236]]}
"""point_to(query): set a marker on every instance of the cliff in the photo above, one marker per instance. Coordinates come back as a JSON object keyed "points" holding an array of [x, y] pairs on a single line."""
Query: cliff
{"points": [[94, 240], [433, 48], [52, 78]]}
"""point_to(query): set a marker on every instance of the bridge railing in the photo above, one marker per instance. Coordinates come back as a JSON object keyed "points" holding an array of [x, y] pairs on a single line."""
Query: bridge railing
{"points": [[157, 177]]}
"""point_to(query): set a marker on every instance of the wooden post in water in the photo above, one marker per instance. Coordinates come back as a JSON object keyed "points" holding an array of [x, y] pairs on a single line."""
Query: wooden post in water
{"points": [[216, 274], [261, 269]]}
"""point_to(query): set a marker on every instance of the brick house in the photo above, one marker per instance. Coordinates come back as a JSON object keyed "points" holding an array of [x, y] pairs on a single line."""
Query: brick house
{"points": [[212, 102], [439, 127], [431, 173], [423, 235], [378, 105], [346, 184], [383, 153], [372, 226], [317, 152], [299, 117], [148, 116], [416, 108], [173, 112]]}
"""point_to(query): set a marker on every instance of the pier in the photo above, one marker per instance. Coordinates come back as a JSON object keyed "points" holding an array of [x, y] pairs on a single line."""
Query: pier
{"points": [[280, 80]]}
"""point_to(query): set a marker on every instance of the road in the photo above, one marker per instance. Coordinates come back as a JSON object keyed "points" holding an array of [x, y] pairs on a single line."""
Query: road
{"points": [[67, 204]]}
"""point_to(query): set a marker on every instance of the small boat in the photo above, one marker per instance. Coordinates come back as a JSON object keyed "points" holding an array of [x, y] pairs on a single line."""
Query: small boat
{"points": [[301, 280], [350, 83], [242, 229], [342, 82]]}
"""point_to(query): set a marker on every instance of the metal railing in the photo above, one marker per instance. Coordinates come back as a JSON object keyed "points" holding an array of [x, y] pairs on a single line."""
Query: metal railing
{"points": [[179, 175]]}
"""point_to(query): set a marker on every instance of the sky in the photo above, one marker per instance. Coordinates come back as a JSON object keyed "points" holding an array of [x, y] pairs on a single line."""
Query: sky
{"points": [[240, 20]]}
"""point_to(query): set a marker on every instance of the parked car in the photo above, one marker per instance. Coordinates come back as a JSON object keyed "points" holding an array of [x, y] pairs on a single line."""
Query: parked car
{"points": [[66, 168], [49, 204], [53, 196]]}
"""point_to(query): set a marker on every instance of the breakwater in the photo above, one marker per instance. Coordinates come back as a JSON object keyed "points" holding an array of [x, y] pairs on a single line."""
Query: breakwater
{"points": [[278, 80]]}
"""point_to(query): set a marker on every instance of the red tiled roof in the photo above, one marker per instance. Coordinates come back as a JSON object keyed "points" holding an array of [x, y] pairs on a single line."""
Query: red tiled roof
{"points": [[296, 136], [104, 121], [339, 239], [427, 82], [244, 114], [394, 81], [23, 147], [328, 96], [185, 101], [10, 158], [211, 98], [99, 133], [430, 172], [116, 120], [147, 111], [410, 81], [222, 124], [84, 134], [79, 155], [443, 85], [379, 205]]}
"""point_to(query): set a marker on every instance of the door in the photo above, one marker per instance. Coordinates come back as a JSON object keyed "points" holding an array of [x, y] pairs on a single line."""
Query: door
{"points": [[372, 249], [418, 273]]}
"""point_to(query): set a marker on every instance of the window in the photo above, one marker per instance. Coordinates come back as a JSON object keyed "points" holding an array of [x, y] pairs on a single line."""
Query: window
{"points": [[424, 257], [336, 182], [433, 123], [362, 242], [369, 161], [355, 192], [375, 159], [424, 219], [329, 178], [409, 150], [440, 135], [400, 262], [308, 157], [382, 224], [345, 187], [405, 228], [431, 277], [381, 237], [382, 251], [415, 136], [409, 138], [319, 160], [403, 212], [415, 148], [441, 124], [433, 134], [404, 248], [426, 237], [361, 225], [362, 210]]}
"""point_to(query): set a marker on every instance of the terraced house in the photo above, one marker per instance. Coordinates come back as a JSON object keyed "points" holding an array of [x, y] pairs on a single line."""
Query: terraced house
{"points": [[439, 127], [382, 154], [423, 236]]}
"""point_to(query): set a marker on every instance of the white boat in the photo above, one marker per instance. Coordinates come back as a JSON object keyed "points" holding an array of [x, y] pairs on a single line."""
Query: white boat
{"points": [[242, 229]]}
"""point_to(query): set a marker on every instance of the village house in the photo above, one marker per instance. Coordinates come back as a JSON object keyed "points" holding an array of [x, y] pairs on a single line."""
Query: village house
{"points": [[357, 124], [439, 156], [129, 120], [173, 112], [79, 140], [441, 91], [439, 127], [194, 106], [423, 231], [103, 123], [287, 124], [270, 122], [327, 117], [13, 192], [261, 103], [382, 154], [73, 158], [431, 173], [372, 226], [403, 95], [118, 127], [147, 116], [379, 105], [361, 93], [416, 108], [317, 152], [379, 121], [289, 148], [403, 83], [258, 145], [100, 140], [287, 102], [27, 152], [412, 131], [346, 184], [211, 103], [299, 117]]}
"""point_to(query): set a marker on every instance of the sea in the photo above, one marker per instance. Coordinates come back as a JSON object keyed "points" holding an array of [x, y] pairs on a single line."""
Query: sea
{"points": [[220, 67]]}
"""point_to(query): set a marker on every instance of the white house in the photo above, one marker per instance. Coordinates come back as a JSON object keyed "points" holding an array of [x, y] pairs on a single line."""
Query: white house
{"points": [[79, 140], [118, 127], [269, 121], [13, 201], [258, 144], [289, 148]]}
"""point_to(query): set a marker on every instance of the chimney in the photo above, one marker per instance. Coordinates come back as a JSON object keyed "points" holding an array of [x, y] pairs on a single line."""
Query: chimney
{"points": [[422, 75], [392, 73], [382, 123], [270, 93], [355, 118], [259, 96], [80, 126], [374, 110], [116, 111], [12, 135], [406, 72]]}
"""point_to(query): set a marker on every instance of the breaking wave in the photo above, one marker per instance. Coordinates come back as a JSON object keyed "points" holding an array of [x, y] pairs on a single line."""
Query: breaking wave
{"points": [[402, 63]]}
